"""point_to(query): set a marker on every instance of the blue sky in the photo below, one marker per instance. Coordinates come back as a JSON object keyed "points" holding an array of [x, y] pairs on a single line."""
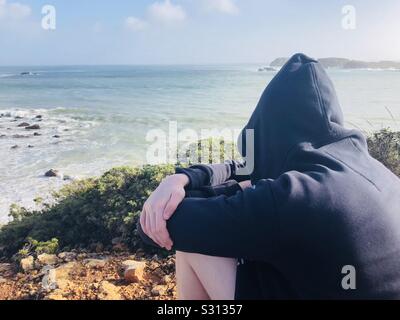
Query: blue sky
{"points": [[195, 31]]}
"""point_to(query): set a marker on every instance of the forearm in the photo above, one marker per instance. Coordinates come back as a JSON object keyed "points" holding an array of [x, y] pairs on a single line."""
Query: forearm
{"points": [[214, 174]]}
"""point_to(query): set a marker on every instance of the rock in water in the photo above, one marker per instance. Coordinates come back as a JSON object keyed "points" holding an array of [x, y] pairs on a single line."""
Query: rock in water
{"points": [[37, 134], [27, 264], [54, 173], [134, 271], [15, 147], [33, 127], [19, 136], [23, 124]]}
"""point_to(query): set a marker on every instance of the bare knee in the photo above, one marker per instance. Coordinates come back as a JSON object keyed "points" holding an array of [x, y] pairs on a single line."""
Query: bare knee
{"points": [[217, 275]]}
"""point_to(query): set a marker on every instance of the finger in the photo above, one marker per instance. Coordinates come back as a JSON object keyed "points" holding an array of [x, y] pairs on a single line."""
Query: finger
{"points": [[152, 225], [159, 209], [171, 206], [162, 233], [143, 221], [148, 224]]}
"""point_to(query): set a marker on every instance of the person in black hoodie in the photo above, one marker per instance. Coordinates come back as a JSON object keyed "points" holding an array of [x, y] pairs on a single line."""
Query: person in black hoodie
{"points": [[321, 219]]}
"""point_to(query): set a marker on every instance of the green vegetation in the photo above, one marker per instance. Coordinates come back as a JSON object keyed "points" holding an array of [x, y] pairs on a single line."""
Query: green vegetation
{"points": [[39, 247], [85, 213], [385, 147], [97, 210]]}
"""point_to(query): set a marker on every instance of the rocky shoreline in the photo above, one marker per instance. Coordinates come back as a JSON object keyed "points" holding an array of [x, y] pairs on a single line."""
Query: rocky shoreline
{"points": [[21, 128], [82, 275]]}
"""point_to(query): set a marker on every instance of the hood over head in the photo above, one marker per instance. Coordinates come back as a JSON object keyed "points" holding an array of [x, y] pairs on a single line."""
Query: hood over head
{"points": [[299, 106]]}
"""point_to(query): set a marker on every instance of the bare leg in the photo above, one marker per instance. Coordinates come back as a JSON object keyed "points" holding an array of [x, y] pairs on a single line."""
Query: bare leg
{"points": [[204, 277], [189, 285]]}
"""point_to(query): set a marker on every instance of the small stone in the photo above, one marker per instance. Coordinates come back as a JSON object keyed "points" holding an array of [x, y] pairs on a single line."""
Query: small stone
{"points": [[33, 127], [47, 259], [56, 136], [159, 290], [23, 124], [37, 134], [134, 271], [27, 264], [67, 256], [15, 147], [39, 117], [95, 263], [30, 146]]}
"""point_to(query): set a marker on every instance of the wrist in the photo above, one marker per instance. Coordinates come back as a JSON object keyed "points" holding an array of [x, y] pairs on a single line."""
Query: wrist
{"points": [[179, 178], [184, 179]]}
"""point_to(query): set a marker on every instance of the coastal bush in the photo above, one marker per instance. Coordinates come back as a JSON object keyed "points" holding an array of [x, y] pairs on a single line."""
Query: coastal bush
{"points": [[385, 147], [86, 212], [95, 211]]}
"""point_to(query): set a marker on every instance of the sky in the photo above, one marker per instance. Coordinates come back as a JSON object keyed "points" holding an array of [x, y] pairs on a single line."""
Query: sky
{"points": [[122, 32]]}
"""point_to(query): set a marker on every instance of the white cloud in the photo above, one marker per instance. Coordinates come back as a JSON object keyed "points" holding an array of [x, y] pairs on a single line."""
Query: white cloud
{"points": [[14, 10], [135, 24], [223, 6], [166, 12]]}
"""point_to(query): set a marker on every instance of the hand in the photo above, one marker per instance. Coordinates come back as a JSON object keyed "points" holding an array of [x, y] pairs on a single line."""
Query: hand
{"points": [[245, 185], [160, 207]]}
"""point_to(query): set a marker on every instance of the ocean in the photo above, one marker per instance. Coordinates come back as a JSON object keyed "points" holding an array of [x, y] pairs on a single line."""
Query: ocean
{"points": [[93, 118]]}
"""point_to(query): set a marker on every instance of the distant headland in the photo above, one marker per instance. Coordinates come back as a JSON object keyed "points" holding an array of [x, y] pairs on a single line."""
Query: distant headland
{"points": [[342, 63]]}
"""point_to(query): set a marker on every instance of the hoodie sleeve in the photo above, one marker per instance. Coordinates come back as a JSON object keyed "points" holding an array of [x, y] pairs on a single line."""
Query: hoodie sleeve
{"points": [[213, 174], [235, 227]]}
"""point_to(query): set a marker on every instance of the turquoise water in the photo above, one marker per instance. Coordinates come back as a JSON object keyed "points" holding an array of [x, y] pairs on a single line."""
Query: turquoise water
{"points": [[102, 114]]}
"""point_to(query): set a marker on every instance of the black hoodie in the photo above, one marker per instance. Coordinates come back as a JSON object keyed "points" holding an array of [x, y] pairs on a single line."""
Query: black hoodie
{"points": [[321, 205]]}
